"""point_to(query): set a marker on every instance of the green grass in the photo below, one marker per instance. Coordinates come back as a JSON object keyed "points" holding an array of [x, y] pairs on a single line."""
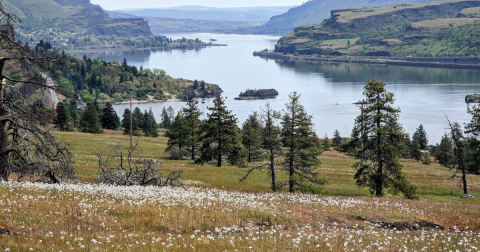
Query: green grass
{"points": [[431, 180]]}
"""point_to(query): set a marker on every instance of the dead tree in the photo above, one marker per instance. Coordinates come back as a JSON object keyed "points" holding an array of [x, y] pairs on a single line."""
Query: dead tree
{"points": [[117, 166], [26, 146]]}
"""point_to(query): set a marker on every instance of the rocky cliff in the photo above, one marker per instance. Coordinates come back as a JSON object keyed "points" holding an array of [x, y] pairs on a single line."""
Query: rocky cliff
{"points": [[423, 30]]}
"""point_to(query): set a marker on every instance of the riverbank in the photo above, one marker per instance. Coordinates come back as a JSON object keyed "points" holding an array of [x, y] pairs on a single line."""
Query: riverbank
{"points": [[470, 63], [131, 49]]}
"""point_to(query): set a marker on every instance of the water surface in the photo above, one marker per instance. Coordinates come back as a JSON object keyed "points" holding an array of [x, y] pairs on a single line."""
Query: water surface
{"points": [[424, 95]]}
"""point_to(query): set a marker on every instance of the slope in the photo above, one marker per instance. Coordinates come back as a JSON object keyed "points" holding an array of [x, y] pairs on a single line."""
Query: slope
{"points": [[315, 11], [78, 16], [433, 29]]}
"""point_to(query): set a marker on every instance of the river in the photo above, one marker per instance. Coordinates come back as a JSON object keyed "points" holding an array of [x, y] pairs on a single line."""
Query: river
{"points": [[328, 91]]}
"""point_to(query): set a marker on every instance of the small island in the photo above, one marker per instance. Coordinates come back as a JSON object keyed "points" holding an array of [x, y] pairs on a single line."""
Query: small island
{"points": [[257, 94], [472, 98]]}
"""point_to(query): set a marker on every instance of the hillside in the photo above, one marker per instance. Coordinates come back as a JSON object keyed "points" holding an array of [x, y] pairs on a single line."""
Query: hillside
{"points": [[251, 14], [422, 30], [79, 16], [315, 11]]}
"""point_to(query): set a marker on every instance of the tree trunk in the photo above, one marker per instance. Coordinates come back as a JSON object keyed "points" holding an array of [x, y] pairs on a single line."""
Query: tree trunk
{"points": [[4, 154], [379, 176], [272, 171], [193, 152], [219, 161], [464, 179]]}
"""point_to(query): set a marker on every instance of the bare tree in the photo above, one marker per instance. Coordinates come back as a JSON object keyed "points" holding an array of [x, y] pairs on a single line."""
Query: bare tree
{"points": [[26, 146], [117, 166]]}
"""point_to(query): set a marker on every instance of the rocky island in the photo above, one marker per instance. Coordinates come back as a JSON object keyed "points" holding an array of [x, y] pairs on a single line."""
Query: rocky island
{"points": [[256, 94]]}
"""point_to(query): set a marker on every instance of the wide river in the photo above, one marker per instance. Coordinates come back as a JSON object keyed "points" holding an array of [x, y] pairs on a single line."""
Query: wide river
{"points": [[328, 91]]}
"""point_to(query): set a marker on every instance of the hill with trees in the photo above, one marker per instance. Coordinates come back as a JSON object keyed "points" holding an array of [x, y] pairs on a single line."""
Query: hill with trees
{"points": [[421, 30]]}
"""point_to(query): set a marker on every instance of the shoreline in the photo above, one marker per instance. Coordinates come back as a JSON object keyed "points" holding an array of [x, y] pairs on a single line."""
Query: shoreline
{"points": [[469, 63], [130, 49]]}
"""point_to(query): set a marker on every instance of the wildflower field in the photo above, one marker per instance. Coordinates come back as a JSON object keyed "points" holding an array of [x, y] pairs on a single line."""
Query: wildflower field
{"points": [[214, 212]]}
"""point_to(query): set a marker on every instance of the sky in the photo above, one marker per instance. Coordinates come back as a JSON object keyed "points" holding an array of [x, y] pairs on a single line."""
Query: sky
{"points": [[142, 4]]}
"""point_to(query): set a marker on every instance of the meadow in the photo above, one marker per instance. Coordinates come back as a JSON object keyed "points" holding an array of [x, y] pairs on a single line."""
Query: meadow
{"points": [[215, 212]]}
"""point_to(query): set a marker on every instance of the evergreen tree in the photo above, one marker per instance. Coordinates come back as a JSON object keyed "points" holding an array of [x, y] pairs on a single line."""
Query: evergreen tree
{"points": [[202, 85], [177, 137], [126, 124], [252, 137], [166, 121], [62, 117], [473, 142], [195, 84], [444, 151], [337, 139], [326, 143], [74, 115], [150, 124], [271, 143], [110, 118], [221, 135], [380, 144], [459, 164], [90, 122], [421, 136], [415, 148], [302, 147], [138, 117], [192, 125]]}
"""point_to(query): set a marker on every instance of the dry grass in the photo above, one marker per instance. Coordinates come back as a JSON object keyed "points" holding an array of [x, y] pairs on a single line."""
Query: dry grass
{"points": [[215, 212]]}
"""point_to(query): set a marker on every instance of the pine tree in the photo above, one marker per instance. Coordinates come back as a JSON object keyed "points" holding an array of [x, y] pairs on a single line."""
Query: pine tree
{"points": [[192, 125], [337, 139], [166, 120], [90, 122], [380, 144], [271, 143], [421, 136], [177, 137], [138, 117], [302, 147], [459, 164], [222, 137], [110, 118], [150, 125], [444, 151], [415, 148], [74, 115], [62, 117], [252, 137], [326, 143], [126, 124]]}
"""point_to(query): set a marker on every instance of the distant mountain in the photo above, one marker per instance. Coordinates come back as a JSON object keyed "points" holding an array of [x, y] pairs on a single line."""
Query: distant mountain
{"points": [[436, 29], [315, 11], [116, 15], [251, 14], [75, 16]]}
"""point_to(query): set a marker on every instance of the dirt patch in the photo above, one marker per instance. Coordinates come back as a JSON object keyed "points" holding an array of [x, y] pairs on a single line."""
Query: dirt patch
{"points": [[335, 154], [403, 225]]}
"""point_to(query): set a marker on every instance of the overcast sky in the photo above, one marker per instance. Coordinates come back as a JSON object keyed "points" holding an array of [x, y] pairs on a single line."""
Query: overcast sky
{"points": [[139, 4]]}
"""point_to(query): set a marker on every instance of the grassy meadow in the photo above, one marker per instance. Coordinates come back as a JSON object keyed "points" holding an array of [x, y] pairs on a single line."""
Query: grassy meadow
{"points": [[214, 212]]}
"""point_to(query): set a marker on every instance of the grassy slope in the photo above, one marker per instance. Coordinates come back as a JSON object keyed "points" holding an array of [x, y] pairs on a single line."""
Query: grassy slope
{"points": [[240, 216], [399, 30], [432, 180]]}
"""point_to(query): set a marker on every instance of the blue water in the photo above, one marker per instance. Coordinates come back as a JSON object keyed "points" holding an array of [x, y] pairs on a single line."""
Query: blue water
{"points": [[424, 95]]}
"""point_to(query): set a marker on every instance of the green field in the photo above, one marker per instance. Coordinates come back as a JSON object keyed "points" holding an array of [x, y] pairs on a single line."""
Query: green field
{"points": [[432, 180]]}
